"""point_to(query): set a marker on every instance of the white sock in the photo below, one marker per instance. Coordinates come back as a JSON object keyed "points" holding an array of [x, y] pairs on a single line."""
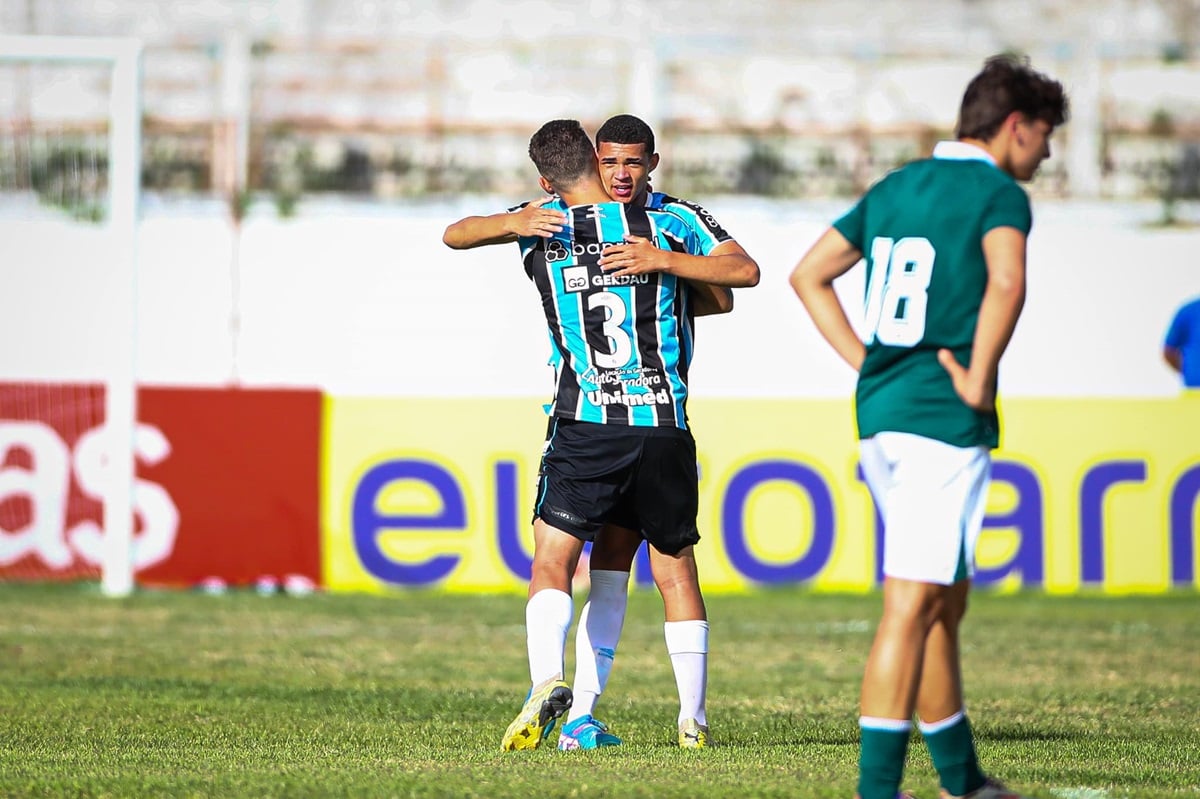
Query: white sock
{"points": [[933, 727], [547, 619], [687, 644], [596, 638]]}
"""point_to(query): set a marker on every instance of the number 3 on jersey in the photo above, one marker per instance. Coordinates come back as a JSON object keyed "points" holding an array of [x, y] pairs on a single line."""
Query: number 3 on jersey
{"points": [[615, 313], [897, 295]]}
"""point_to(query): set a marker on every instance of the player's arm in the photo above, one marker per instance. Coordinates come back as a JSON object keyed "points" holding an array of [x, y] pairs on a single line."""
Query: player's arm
{"points": [[502, 228], [709, 299], [726, 265], [1174, 357], [1172, 350], [1003, 299], [812, 280]]}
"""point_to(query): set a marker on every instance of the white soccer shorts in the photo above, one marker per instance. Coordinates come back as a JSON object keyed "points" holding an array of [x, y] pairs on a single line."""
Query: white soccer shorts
{"points": [[932, 497]]}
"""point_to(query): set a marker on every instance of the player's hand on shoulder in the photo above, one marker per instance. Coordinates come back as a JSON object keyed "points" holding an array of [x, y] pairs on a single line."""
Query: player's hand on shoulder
{"points": [[534, 220], [976, 392], [636, 256]]}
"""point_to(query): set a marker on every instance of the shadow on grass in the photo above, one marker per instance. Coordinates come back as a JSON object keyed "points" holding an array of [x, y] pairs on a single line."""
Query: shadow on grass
{"points": [[1030, 734]]}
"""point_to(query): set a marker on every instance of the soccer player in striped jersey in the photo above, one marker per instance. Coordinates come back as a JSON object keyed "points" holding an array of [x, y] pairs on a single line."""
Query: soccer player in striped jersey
{"points": [[626, 152], [626, 147], [944, 242], [618, 447]]}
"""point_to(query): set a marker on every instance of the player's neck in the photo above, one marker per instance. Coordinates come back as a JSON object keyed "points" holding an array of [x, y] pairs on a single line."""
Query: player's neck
{"points": [[997, 148], [586, 192]]}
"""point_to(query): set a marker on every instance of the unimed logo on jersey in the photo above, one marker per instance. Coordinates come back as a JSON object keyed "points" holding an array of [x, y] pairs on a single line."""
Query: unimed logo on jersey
{"points": [[575, 278]]}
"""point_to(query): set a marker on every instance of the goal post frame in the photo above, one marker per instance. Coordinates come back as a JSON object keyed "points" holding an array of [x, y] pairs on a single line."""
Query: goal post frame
{"points": [[123, 56]]}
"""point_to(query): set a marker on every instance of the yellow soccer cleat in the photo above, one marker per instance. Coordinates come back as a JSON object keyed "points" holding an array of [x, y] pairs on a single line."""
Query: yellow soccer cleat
{"points": [[543, 707], [692, 735]]}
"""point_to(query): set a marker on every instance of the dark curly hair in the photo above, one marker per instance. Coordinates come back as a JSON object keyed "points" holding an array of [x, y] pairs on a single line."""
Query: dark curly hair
{"points": [[1008, 83]]}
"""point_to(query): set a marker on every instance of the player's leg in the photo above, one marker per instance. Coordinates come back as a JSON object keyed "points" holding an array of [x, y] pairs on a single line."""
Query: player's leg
{"points": [[550, 607], [547, 618], [923, 549], [598, 634], [944, 723], [603, 615], [572, 501], [686, 633], [667, 502], [890, 682], [667, 505]]}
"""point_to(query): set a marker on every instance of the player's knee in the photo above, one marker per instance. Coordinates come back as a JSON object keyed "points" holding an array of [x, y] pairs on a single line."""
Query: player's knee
{"points": [[613, 555], [914, 603]]}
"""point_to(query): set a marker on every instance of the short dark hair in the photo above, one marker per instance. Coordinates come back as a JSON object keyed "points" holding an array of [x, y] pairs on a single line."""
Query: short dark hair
{"points": [[562, 152], [1008, 83], [626, 129]]}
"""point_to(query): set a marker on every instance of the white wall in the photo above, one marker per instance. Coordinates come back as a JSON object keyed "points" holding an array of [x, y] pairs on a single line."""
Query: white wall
{"points": [[364, 299]]}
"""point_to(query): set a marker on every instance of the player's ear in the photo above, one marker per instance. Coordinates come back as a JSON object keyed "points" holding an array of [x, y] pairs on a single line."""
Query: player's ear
{"points": [[545, 184], [653, 163], [1013, 124]]}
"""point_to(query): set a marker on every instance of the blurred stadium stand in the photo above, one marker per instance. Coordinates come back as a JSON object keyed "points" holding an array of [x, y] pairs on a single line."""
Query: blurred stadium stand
{"points": [[790, 98]]}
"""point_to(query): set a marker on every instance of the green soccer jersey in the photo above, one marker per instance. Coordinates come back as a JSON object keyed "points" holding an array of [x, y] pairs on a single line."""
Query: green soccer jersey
{"points": [[921, 232]]}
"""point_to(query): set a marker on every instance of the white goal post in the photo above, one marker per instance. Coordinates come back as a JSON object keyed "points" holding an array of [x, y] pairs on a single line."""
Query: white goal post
{"points": [[123, 57]]}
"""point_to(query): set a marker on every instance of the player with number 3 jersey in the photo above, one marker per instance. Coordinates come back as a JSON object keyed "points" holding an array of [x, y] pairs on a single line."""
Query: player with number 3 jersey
{"points": [[624, 381], [620, 344]]}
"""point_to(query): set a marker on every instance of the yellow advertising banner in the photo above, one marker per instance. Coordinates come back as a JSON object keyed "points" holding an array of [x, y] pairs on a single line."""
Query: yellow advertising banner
{"points": [[1087, 494]]}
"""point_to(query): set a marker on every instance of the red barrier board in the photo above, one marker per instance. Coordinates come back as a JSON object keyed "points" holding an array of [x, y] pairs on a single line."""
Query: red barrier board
{"points": [[49, 520], [244, 474], [227, 486]]}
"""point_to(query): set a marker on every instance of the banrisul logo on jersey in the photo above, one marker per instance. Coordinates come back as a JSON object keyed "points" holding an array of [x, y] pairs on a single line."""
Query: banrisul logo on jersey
{"points": [[557, 250]]}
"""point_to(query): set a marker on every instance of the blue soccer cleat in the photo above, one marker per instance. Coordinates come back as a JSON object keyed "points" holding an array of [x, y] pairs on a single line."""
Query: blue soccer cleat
{"points": [[586, 732]]}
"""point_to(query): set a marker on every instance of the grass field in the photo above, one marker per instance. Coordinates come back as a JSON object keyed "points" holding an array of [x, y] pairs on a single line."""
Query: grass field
{"points": [[184, 694]]}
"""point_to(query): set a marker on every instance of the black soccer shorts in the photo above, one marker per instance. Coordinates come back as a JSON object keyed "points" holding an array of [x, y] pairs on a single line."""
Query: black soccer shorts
{"points": [[641, 478]]}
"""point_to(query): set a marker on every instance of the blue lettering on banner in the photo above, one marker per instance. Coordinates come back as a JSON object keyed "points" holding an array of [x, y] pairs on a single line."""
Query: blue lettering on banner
{"points": [[512, 552], [1027, 517], [741, 485], [1096, 483], [367, 523], [1183, 530]]}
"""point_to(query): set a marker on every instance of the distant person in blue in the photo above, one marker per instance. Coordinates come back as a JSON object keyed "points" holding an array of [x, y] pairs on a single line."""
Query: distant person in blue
{"points": [[1181, 347]]}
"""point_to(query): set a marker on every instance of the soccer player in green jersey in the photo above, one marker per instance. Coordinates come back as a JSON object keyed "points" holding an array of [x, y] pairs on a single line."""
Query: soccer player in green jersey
{"points": [[944, 244]]}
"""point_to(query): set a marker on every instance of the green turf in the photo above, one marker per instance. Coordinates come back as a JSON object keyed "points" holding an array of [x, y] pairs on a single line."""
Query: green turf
{"points": [[183, 694]]}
